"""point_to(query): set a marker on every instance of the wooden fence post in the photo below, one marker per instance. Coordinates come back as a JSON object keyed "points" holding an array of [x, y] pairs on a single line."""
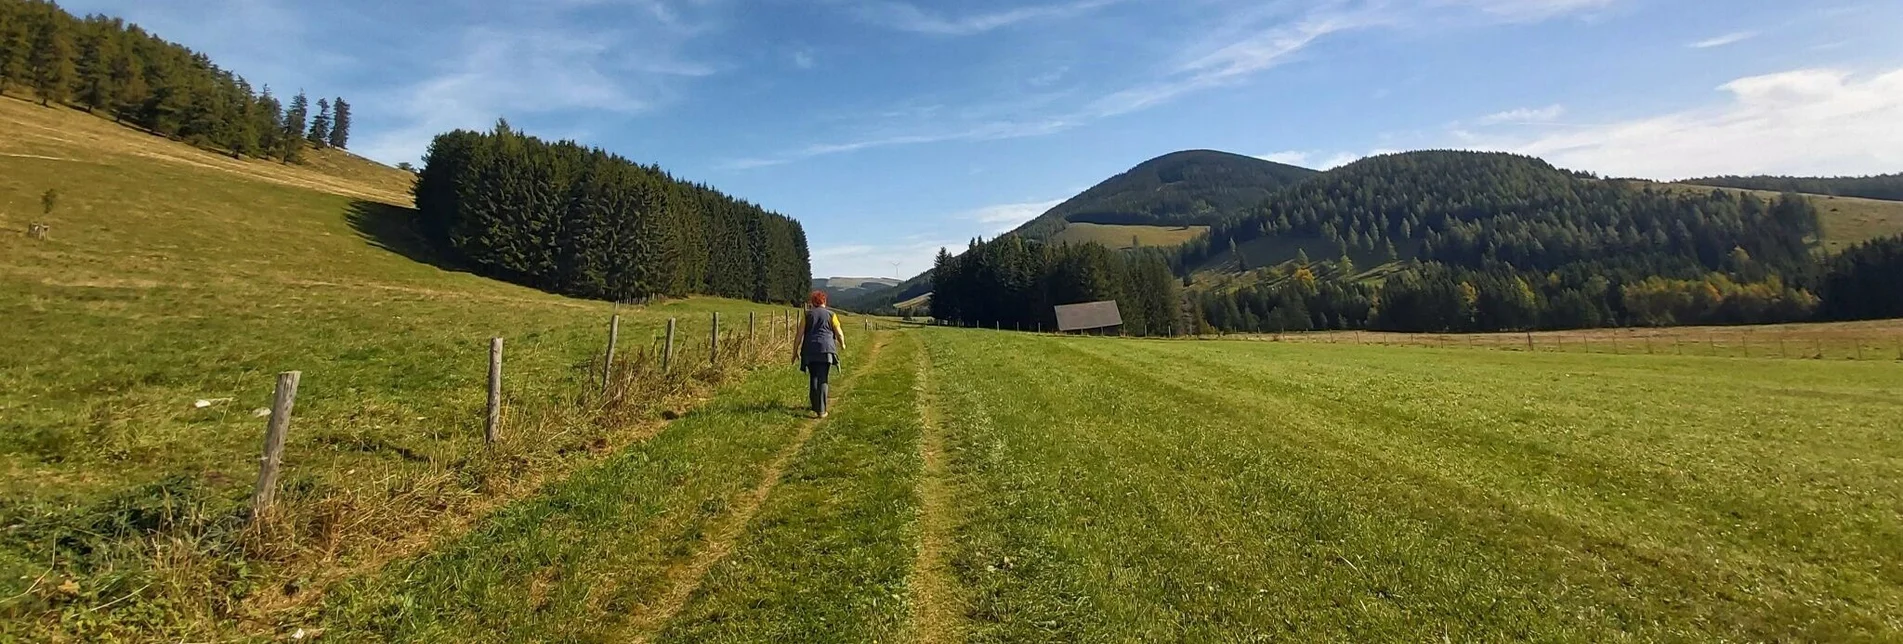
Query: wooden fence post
{"points": [[494, 424], [608, 364], [281, 402], [1819, 342], [713, 344], [749, 328], [1780, 347], [1529, 342], [667, 352]]}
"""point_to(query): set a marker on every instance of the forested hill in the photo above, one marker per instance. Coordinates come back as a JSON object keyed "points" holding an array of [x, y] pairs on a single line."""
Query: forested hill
{"points": [[584, 222], [1888, 187], [1473, 209], [106, 66], [1500, 241], [1194, 187]]}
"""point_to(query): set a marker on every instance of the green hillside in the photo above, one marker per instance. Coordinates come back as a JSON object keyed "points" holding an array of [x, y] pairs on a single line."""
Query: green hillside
{"points": [[1189, 188], [1120, 237], [173, 275], [1886, 187]]}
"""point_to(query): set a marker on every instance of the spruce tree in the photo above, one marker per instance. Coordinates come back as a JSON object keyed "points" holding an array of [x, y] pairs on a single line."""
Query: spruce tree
{"points": [[51, 62], [340, 124], [320, 126], [95, 68], [129, 90], [15, 43]]}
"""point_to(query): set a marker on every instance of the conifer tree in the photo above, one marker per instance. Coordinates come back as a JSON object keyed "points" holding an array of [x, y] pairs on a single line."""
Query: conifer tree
{"points": [[15, 43], [320, 126], [95, 88], [340, 124], [51, 61]]}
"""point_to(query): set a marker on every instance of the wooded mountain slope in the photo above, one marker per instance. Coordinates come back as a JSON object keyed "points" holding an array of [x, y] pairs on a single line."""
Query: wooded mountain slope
{"points": [[1193, 187], [1888, 187]]}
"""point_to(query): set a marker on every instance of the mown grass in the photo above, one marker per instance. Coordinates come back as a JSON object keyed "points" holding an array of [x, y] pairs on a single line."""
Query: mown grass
{"points": [[1119, 237], [1218, 491], [827, 558], [597, 556], [174, 275]]}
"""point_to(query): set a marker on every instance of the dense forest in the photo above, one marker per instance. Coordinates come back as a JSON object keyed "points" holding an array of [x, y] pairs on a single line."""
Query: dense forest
{"points": [[1195, 187], [1865, 282], [104, 65], [1888, 187], [1015, 283], [584, 222], [1500, 241]]}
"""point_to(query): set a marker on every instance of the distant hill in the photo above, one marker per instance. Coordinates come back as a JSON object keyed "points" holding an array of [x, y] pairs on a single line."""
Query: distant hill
{"points": [[842, 288], [1189, 188], [1164, 201], [1888, 187]]}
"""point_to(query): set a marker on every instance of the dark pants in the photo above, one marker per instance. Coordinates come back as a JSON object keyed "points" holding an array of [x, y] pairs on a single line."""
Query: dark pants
{"points": [[816, 374]]}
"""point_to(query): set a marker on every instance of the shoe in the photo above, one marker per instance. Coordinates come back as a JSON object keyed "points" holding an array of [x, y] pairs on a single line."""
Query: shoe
{"points": [[822, 414]]}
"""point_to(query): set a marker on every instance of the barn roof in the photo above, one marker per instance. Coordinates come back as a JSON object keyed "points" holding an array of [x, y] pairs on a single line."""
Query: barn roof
{"points": [[1089, 315]]}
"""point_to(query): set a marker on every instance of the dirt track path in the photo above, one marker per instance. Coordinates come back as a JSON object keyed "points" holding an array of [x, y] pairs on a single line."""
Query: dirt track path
{"points": [[935, 608], [685, 578]]}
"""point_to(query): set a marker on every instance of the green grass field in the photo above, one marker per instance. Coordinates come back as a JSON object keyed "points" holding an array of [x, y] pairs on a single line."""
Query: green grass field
{"points": [[1118, 237], [174, 276], [1119, 490]]}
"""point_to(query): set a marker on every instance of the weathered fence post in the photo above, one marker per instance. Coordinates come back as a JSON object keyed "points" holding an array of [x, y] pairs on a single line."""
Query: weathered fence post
{"points": [[1780, 347], [281, 402], [608, 364], [749, 328], [667, 352], [713, 344], [494, 424], [1859, 342], [1819, 342], [1529, 342], [1648, 345]]}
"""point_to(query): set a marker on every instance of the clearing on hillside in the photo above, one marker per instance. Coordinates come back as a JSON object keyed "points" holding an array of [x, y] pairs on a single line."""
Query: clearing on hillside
{"points": [[1119, 237]]}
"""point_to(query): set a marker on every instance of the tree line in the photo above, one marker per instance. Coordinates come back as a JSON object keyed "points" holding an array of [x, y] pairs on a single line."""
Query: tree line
{"points": [[584, 222], [1887, 187], [1505, 242], [104, 65], [1015, 282]]}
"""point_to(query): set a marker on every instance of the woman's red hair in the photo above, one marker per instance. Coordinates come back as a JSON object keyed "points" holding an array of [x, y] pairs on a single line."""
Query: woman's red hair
{"points": [[818, 298]]}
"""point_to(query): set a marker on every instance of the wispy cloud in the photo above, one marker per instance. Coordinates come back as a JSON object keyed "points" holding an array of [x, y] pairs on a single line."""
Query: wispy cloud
{"points": [[1727, 39], [1531, 10], [1312, 160], [900, 259], [539, 63], [908, 17], [1001, 218], [1807, 122], [803, 59], [1525, 115], [1241, 46]]}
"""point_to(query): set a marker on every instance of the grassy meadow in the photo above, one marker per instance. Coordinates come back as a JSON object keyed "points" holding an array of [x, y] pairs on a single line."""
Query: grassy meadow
{"points": [[1127, 490], [173, 276], [1118, 237]]}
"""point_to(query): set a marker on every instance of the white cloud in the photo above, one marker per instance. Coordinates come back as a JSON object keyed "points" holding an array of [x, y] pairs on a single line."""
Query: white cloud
{"points": [[1313, 160], [537, 64], [803, 59], [1531, 10], [1804, 122], [1525, 115], [1727, 39], [908, 17], [1002, 218]]}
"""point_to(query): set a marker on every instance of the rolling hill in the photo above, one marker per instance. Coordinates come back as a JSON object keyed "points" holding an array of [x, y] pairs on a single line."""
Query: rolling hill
{"points": [[1887, 187], [1188, 188], [843, 288]]}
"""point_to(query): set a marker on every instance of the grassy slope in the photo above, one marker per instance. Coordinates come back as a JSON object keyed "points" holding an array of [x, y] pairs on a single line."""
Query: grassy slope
{"points": [[175, 275], [609, 553], [1120, 237], [1124, 491]]}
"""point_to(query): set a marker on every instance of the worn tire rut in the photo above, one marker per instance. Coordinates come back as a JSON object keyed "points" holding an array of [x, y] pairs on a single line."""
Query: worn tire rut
{"points": [[934, 605]]}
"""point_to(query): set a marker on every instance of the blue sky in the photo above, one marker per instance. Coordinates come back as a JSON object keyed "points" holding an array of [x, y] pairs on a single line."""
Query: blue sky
{"points": [[892, 127]]}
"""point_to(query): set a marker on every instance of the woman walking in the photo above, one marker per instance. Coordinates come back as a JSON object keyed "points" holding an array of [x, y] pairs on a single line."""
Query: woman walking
{"points": [[821, 340]]}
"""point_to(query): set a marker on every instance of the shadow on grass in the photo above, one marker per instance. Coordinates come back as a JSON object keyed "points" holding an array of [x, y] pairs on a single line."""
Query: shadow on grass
{"points": [[393, 228]]}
